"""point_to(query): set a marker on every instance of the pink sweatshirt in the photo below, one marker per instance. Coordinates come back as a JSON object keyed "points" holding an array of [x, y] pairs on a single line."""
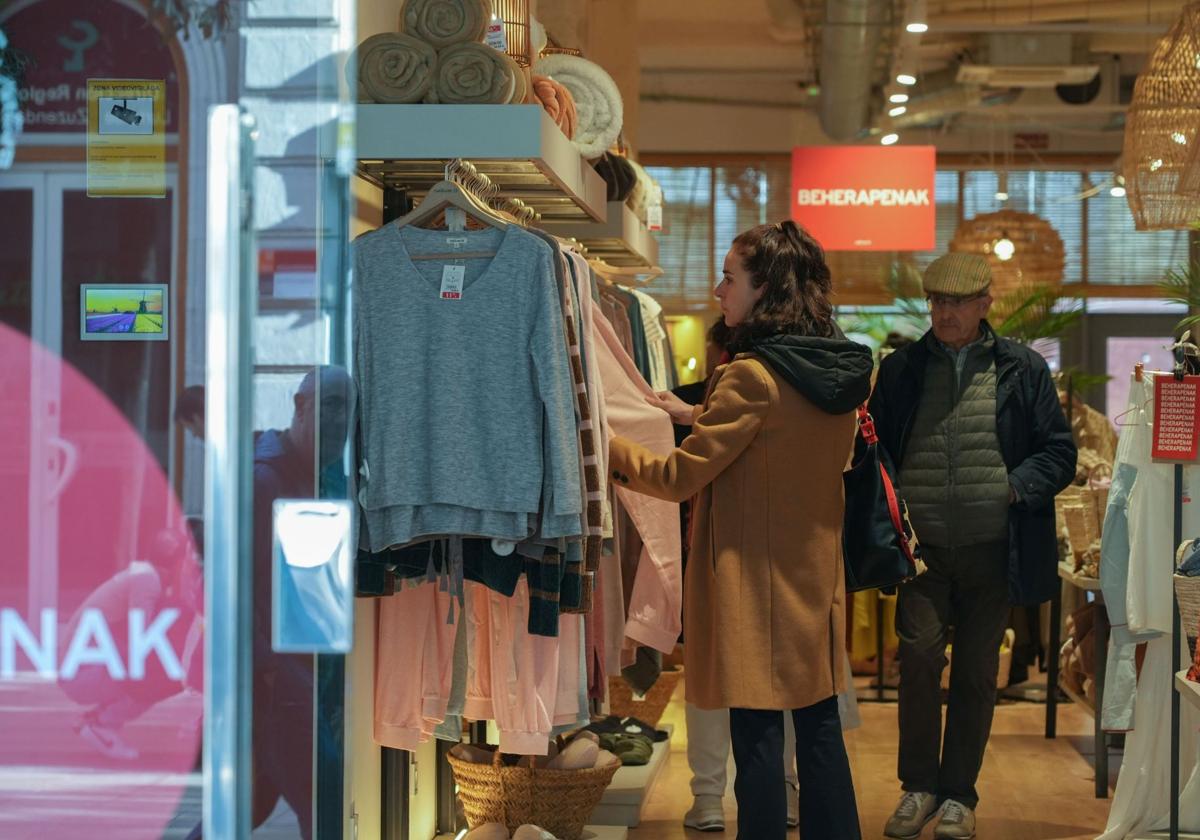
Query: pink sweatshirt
{"points": [[656, 605]]}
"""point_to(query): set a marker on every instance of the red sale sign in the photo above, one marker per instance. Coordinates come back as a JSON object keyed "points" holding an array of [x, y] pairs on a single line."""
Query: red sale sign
{"points": [[866, 198]]}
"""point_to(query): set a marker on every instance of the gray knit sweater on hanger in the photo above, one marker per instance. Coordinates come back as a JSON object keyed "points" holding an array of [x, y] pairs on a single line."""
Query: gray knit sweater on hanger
{"points": [[466, 422]]}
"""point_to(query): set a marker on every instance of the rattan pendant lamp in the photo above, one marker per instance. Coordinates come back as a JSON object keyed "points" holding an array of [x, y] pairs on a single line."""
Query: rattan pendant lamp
{"points": [[1022, 249], [1161, 161]]}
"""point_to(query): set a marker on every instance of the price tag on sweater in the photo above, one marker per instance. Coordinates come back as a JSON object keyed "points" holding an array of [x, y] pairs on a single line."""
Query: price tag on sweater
{"points": [[452, 281], [496, 39], [654, 217]]}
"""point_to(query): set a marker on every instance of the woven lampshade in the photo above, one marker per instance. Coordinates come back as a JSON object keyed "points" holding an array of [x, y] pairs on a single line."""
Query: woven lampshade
{"points": [[515, 15], [1037, 258], [1162, 131]]}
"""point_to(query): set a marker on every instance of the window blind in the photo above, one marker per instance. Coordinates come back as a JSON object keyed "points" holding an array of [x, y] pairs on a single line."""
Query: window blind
{"points": [[707, 206], [1120, 254]]}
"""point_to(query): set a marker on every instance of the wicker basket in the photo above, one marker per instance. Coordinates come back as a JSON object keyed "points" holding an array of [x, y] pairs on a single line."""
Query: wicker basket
{"points": [[1187, 592], [559, 801], [622, 703]]}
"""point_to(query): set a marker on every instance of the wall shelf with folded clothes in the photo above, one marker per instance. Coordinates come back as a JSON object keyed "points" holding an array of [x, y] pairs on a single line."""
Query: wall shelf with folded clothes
{"points": [[517, 146], [622, 240]]}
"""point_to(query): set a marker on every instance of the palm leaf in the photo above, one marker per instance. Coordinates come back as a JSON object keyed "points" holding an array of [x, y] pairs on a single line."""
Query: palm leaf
{"points": [[1182, 285]]}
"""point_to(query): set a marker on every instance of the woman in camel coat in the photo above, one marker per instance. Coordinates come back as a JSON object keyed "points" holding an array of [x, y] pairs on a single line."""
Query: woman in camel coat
{"points": [[764, 593]]}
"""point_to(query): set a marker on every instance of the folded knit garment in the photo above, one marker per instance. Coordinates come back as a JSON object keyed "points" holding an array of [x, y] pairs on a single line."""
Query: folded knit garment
{"points": [[393, 68], [558, 102], [473, 74], [446, 22], [617, 174], [597, 101]]}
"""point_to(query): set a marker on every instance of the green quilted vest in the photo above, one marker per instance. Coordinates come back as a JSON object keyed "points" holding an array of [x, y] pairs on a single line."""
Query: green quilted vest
{"points": [[953, 478]]}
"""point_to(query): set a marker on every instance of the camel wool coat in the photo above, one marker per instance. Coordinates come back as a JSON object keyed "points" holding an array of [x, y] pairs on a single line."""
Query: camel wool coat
{"points": [[764, 590]]}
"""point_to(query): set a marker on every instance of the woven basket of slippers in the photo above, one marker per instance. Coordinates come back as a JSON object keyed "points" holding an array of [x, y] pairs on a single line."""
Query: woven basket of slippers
{"points": [[648, 709], [534, 791]]}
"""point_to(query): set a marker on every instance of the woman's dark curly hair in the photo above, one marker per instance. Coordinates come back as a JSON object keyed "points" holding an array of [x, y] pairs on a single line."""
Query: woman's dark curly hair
{"points": [[785, 259]]}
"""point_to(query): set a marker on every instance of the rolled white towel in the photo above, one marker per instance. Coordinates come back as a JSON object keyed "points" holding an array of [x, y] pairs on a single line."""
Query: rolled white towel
{"points": [[393, 68], [446, 22], [598, 106], [473, 74]]}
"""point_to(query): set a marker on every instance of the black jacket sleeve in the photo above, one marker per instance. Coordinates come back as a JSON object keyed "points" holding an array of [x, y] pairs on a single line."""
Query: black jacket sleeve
{"points": [[882, 412], [1050, 465]]}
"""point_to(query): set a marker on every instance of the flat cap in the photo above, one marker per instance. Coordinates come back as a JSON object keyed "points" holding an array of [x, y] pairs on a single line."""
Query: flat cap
{"points": [[960, 275]]}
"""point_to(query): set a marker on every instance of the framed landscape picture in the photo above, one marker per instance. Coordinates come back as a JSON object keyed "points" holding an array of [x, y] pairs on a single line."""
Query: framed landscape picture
{"points": [[124, 312]]}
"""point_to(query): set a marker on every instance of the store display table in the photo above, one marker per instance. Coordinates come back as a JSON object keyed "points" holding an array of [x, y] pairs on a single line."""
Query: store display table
{"points": [[1100, 639], [626, 797]]}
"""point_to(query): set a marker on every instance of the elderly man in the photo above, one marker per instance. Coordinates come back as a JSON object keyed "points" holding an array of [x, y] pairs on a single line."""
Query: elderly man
{"points": [[973, 423]]}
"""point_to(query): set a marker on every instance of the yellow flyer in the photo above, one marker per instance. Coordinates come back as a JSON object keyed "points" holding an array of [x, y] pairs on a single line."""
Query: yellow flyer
{"points": [[127, 138]]}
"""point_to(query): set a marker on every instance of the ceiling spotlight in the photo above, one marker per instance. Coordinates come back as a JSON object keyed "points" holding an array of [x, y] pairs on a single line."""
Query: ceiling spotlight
{"points": [[1156, 164], [898, 98], [1179, 138], [889, 139], [1117, 191], [1001, 195], [906, 79], [1004, 248], [897, 111], [920, 28]]}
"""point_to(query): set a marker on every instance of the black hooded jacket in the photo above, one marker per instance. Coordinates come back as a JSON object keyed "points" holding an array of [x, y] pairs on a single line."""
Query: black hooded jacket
{"points": [[833, 374]]}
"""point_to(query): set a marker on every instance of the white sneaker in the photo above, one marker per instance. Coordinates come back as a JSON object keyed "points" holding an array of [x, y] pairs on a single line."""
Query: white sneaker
{"points": [[707, 814], [108, 741], [911, 815], [793, 802]]}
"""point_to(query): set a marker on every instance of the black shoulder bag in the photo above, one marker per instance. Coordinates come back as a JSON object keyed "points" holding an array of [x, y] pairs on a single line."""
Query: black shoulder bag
{"points": [[879, 545]]}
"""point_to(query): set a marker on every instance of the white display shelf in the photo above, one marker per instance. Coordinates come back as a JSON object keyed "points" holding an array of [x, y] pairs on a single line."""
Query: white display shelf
{"points": [[622, 240], [1088, 584], [517, 146], [626, 797], [1188, 690]]}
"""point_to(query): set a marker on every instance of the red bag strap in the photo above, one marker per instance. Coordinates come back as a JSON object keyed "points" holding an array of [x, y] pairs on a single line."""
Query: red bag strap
{"points": [[866, 426]]}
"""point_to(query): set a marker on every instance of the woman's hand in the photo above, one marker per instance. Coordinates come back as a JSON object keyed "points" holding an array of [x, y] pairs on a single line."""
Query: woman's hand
{"points": [[681, 413]]}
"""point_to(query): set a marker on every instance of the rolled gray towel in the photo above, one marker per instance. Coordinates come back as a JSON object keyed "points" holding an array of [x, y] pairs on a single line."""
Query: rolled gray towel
{"points": [[473, 74], [446, 22], [394, 68]]}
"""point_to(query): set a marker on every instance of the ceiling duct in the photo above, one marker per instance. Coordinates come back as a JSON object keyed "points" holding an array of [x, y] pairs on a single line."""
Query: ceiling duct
{"points": [[850, 38]]}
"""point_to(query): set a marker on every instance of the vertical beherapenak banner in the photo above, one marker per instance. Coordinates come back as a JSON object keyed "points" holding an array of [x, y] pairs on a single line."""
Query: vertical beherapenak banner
{"points": [[1176, 431], [866, 198]]}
